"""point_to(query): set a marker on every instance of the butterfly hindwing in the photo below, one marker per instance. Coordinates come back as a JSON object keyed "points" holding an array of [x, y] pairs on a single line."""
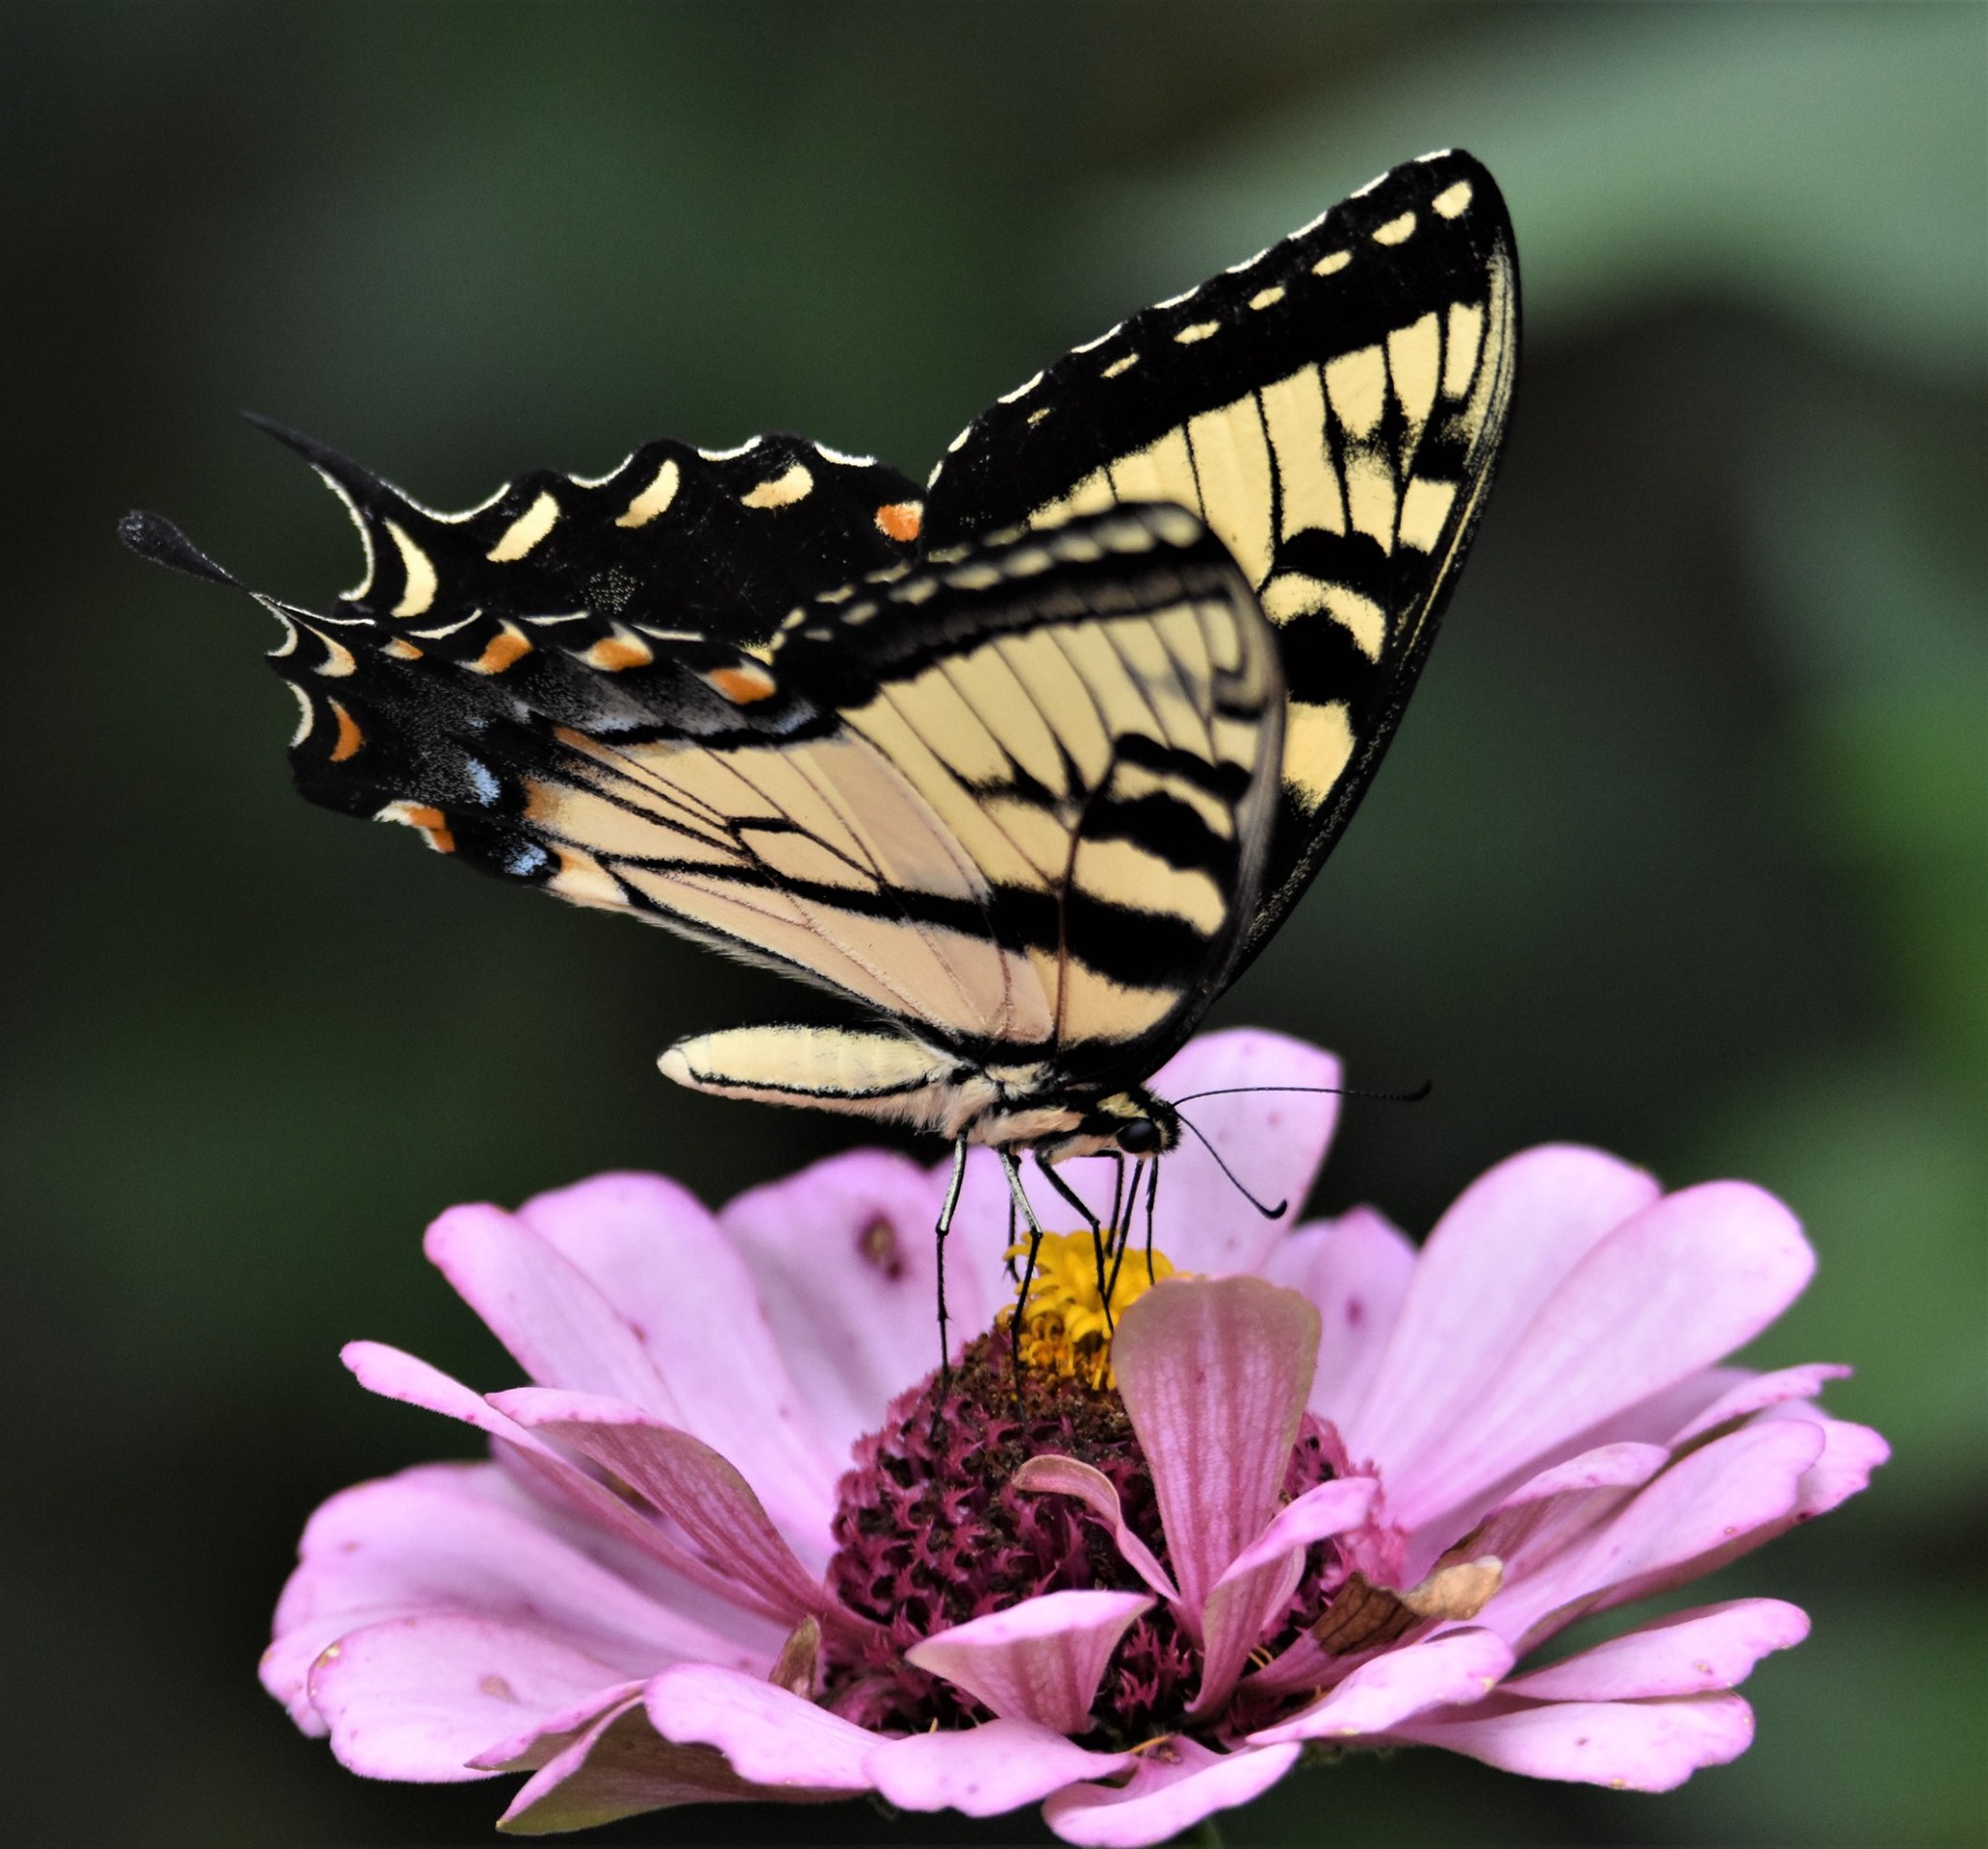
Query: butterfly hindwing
{"points": [[1333, 409]]}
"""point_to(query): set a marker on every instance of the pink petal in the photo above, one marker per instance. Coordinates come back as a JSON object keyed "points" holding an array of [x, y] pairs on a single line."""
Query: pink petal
{"points": [[1606, 1467], [768, 1735], [395, 1376], [1704, 1504], [619, 1767], [687, 1481], [551, 1735], [1453, 1670], [449, 1537], [418, 1697], [656, 1254], [842, 1257], [984, 1770], [1050, 1474], [1483, 1272], [1688, 1653], [1757, 1392], [1850, 1452], [1174, 1786], [1629, 1745], [1213, 1373], [1545, 1514], [1356, 1269], [1038, 1660], [1664, 1296], [1259, 1581], [558, 1327], [1275, 1142], [1328, 1509]]}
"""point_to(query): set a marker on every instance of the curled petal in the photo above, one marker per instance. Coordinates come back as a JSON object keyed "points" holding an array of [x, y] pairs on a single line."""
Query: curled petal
{"points": [[458, 1537], [1260, 1580], [1850, 1454], [1453, 1670], [1688, 1653], [619, 1767], [1214, 1375], [768, 1735], [1621, 1466], [656, 1253], [395, 1376], [689, 1482], [418, 1698], [551, 1735], [1703, 1504], [1039, 1660], [1174, 1786], [1628, 1745], [1331, 1508], [1065, 1476], [986, 1770], [544, 1309], [1757, 1392]]}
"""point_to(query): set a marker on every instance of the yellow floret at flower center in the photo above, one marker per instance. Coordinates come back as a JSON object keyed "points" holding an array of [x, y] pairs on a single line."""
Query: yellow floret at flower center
{"points": [[1064, 1326]]}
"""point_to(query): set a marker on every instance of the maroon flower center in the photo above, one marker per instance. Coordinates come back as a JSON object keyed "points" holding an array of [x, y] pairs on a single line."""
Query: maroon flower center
{"points": [[930, 1532]]}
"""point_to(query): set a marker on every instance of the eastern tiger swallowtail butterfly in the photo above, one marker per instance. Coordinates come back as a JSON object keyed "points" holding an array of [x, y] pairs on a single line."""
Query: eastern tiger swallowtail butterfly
{"points": [[1028, 763]]}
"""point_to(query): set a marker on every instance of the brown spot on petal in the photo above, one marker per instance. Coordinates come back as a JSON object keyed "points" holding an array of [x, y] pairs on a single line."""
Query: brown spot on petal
{"points": [[795, 1671], [496, 1688], [878, 1244], [1458, 1591]]}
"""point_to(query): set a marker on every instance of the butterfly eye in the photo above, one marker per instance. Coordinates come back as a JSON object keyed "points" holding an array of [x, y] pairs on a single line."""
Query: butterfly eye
{"points": [[1140, 1138]]}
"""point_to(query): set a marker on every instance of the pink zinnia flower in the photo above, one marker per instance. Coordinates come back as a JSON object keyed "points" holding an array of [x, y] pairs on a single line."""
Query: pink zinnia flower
{"points": [[737, 1544]]}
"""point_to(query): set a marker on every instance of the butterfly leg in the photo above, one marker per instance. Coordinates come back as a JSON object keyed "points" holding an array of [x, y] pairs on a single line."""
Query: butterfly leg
{"points": [[1090, 1219], [1018, 1198], [944, 1226], [1122, 1238]]}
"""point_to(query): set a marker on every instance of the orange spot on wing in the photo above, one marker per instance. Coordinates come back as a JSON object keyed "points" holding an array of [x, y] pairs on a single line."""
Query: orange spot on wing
{"points": [[501, 650], [349, 737], [900, 520], [741, 687], [432, 823], [613, 654], [402, 650]]}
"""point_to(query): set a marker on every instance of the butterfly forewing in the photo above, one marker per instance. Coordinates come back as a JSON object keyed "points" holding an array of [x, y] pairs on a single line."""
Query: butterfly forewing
{"points": [[1333, 409], [716, 542]]}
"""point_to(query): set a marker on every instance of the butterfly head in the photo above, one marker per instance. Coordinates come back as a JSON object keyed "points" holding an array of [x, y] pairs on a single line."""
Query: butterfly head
{"points": [[1132, 1123]]}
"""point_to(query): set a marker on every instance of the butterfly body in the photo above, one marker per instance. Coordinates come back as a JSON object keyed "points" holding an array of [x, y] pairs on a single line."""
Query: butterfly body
{"points": [[1026, 765]]}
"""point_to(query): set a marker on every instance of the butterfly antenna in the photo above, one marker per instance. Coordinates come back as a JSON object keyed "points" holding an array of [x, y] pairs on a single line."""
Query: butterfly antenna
{"points": [[153, 537], [1268, 1213], [1414, 1097]]}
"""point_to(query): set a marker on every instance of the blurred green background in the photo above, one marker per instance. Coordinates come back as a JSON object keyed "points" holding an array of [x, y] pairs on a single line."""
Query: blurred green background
{"points": [[1681, 849]]}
